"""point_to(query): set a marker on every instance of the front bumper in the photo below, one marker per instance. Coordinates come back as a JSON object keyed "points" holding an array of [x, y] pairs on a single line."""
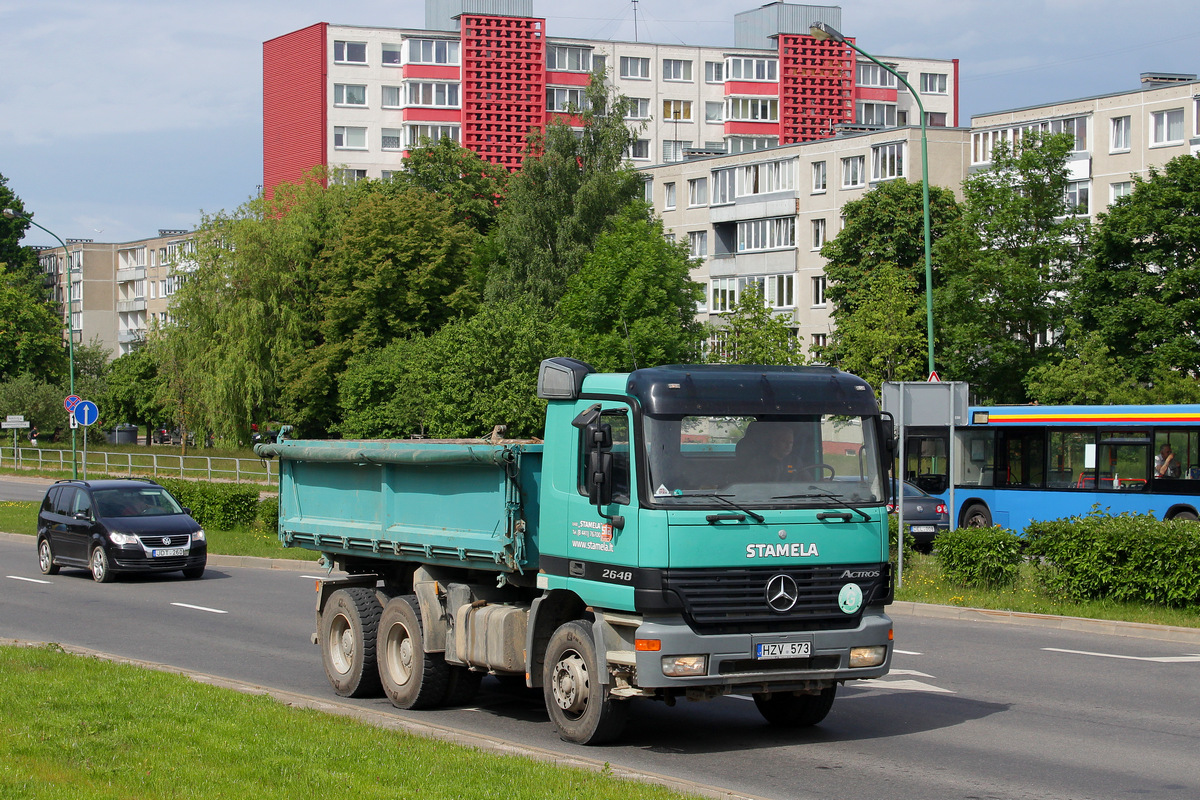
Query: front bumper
{"points": [[134, 559]]}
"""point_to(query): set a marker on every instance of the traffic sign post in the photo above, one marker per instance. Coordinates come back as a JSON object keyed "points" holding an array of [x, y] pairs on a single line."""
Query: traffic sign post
{"points": [[15, 421], [85, 413]]}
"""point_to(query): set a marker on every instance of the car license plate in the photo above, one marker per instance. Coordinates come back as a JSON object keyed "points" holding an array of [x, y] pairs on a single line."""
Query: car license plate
{"points": [[766, 650], [922, 528], [172, 552]]}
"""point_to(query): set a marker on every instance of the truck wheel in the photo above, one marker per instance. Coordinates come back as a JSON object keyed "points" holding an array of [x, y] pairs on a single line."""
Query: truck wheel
{"points": [[977, 516], [348, 628], [46, 558], [411, 677], [462, 686], [787, 710], [576, 699]]}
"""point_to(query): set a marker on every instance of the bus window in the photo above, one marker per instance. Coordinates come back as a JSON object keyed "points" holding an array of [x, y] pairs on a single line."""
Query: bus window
{"points": [[1124, 462], [1025, 459], [977, 458], [1183, 444], [926, 461], [1068, 462]]}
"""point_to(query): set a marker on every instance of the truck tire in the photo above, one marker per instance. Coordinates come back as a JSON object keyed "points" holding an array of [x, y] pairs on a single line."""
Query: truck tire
{"points": [[977, 516], [462, 685], [787, 710], [578, 704], [411, 677], [349, 624]]}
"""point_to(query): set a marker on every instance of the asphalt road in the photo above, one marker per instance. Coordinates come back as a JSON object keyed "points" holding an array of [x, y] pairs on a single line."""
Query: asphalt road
{"points": [[972, 708]]}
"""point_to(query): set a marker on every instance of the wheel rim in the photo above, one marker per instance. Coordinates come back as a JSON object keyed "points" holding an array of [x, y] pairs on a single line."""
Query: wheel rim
{"points": [[570, 684], [44, 557], [341, 644], [398, 654], [99, 567]]}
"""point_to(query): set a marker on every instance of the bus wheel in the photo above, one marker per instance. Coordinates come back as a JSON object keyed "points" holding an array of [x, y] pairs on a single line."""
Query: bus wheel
{"points": [[977, 516], [1186, 515]]}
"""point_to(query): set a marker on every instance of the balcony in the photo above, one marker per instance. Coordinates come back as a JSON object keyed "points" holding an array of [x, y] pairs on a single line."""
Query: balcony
{"points": [[130, 336], [131, 274], [125, 306]]}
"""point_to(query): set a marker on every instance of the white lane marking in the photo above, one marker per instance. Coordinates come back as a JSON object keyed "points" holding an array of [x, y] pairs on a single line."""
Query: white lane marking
{"points": [[30, 580], [200, 608], [314, 577], [1159, 659], [907, 653], [911, 686], [909, 672]]}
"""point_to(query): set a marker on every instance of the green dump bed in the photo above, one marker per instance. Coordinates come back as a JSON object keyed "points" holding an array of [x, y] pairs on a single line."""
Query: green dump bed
{"points": [[457, 503]]}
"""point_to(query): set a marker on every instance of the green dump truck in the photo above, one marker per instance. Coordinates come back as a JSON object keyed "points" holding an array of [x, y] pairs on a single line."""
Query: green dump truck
{"points": [[681, 532]]}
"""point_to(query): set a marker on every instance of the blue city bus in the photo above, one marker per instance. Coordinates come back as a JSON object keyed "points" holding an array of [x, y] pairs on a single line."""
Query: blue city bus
{"points": [[1015, 464]]}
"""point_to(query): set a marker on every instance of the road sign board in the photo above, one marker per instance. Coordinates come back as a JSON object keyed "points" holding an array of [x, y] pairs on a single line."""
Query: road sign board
{"points": [[86, 412], [15, 418], [14, 424], [70, 403], [933, 378]]}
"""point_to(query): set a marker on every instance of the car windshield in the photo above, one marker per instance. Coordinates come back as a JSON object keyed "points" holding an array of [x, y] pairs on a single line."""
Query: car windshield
{"points": [[135, 501], [762, 461]]}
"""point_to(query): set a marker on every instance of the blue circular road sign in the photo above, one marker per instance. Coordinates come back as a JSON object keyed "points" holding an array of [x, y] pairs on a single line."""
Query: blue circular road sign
{"points": [[86, 412]]}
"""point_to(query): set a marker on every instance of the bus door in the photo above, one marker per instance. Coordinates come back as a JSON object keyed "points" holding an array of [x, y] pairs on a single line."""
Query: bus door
{"points": [[926, 458]]}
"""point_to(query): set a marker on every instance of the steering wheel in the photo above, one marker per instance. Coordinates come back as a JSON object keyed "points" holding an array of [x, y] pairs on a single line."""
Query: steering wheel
{"points": [[814, 469]]}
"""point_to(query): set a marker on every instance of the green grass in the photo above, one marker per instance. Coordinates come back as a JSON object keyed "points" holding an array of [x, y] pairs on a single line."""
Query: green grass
{"points": [[80, 727], [923, 582]]}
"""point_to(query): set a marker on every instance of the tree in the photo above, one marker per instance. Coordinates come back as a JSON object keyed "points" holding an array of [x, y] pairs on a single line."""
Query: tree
{"points": [[39, 401], [473, 187], [573, 180], [884, 339], [754, 335], [134, 391], [632, 303], [1003, 275], [15, 258], [1139, 289], [31, 335]]}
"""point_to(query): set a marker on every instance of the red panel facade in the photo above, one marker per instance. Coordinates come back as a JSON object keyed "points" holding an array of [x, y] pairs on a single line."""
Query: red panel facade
{"points": [[503, 85], [294, 116], [816, 87]]}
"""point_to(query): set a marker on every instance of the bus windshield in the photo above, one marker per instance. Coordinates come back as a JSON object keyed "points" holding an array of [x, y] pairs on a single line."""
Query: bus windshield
{"points": [[763, 461]]}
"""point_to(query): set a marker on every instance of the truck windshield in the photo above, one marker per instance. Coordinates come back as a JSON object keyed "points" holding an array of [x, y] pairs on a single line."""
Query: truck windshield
{"points": [[763, 461]]}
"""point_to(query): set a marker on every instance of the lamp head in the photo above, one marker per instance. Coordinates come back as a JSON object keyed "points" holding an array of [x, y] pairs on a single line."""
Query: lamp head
{"points": [[8, 212], [823, 32]]}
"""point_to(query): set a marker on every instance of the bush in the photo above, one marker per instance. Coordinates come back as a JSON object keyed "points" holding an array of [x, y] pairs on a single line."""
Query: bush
{"points": [[984, 557], [1127, 557], [268, 514], [221, 505]]}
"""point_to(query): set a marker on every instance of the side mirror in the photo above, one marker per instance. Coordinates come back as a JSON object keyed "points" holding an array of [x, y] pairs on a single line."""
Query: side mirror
{"points": [[887, 432], [599, 478]]}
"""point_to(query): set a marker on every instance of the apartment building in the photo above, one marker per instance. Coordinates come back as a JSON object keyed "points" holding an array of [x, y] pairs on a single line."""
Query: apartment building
{"points": [[487, 72], [118, 291], [1116, 135]]}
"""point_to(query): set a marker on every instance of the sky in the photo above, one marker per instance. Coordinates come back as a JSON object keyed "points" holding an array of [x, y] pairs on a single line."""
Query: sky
{"points": [[121, 117]]}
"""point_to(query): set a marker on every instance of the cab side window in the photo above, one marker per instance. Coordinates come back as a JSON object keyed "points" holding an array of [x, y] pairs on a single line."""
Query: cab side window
{"points": [[618, 420]]}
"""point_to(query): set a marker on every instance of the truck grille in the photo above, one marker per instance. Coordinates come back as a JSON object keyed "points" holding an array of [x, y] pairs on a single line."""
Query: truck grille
{"points": [[735, 600]]}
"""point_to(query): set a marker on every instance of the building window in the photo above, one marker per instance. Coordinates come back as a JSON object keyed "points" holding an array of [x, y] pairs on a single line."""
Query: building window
{"points": [[1077, 198], [883, 114], [432, 51], [675, 69], [1119, 190], [724, 294], [818, 291], [349, 94], [819, 341], [433, 95], [887, 161], [349, 52], [1167, 127], [1120, 135], [714, 72], [564, 100], [390, 97], [698, 192], [599, 62], [677, 110], [753, 69], [766, 234], [345, 138], [933, 83], [347, 176], [639, 150], [818, 234], [423, 135], [933, 119], [876, 76], [668, 197], [723, 186], [632, 67], [748, 144], [714, 111], [753, 109], [698, 243], [779, 291], [638, 108], [391, 139], [768, 177], [568, 59], [852, 172], [673, 149], [393, 55], [820, 177]]}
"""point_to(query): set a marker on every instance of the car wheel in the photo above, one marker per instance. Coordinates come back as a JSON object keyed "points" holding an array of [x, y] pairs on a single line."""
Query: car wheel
{"points": [[194, 573], [787, 710], [349, 623], [977, 516], [46, 558], [576, 699], [101, 569], [411, 677]]}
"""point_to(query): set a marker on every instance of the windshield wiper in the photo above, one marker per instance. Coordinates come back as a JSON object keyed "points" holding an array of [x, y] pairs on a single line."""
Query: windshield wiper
{"points": [[819, 492], [724, 498]]}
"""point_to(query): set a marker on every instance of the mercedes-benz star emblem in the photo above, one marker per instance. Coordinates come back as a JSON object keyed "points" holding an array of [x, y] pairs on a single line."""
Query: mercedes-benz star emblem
{"points": [[782, 593]]}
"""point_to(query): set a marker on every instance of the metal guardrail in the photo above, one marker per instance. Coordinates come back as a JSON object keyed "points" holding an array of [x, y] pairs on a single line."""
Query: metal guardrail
{"points": [[101, 462]]}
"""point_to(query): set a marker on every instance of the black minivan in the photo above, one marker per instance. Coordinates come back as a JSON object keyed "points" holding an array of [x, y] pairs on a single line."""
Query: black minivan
{"points": [[113, 526]]}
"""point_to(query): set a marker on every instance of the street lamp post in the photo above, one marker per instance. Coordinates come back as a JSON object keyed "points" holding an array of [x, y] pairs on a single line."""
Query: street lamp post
{"points": [[824, 32], [8, 212]]}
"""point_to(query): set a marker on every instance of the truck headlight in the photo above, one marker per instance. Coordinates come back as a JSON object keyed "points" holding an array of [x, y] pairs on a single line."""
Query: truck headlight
{"points": [[868, 656], [122, 538], [684, 666]]}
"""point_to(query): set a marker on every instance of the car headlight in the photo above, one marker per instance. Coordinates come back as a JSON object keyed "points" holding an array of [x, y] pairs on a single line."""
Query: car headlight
{"points": [[122, 538], [198, 536]]}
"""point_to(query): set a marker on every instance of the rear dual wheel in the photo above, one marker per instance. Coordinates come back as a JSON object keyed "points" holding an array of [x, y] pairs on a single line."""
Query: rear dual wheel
{"points": [[349, 625], [411, 677]]}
